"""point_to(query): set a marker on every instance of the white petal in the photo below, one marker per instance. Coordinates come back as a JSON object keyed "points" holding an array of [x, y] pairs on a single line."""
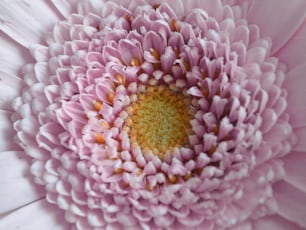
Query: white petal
{"points": [[7, 132], [17, 189], [65, 7], [10, 87], [35, 216], [91, 6], [26, 21]]}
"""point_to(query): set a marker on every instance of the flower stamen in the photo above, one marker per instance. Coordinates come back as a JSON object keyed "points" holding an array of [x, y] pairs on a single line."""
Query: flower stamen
{"points": [[120, 78], [111, 97], [156, 6], [172, 179], [212, 150], [97, 105], [99, 138], [174, 25], [135, 62], [119, 170], [155, 53], [159, 120]]}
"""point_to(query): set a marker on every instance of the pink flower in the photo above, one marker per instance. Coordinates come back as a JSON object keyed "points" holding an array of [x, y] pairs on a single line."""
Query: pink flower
{"points": [[153, 114]]}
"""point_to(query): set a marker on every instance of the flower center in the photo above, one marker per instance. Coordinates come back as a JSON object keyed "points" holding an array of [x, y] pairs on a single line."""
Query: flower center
{"points": [[160, 120]]}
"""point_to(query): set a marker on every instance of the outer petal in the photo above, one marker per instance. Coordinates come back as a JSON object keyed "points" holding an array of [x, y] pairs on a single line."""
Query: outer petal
{"points": [[130, 5], [7, 132], [294, 164], [10, 88], [12, 55], [26, 21], [65, 7], [274, 223], [177, 6], [295, 84], [242, 226], [300, 145], [90, 6], [294, 52], [291, 203], [37, 215], [287, 18], [212, 7], [16, 188]]}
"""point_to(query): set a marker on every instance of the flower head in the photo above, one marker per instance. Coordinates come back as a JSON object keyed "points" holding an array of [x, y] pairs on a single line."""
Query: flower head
{"points": [[164, 115]]}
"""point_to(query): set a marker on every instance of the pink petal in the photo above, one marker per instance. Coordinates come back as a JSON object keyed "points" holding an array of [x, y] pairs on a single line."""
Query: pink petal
{"points": [[47, 137], [129, 50], [37, 215], [295, 85], [40, 52], [61, 32], [150, 169], [26, 21], [301, 143], [294, 165], [243, 226], [75, 111], [91, 6], [192, 220], [164, 221], [212, 7], [153, 40], [87, 101], [94, 219], [177, 6], [52, 92], [282, 24], [42, 72], [294, 52], [274, 222], [16, 187], [7, 133], [291, 203], [256, 55]]}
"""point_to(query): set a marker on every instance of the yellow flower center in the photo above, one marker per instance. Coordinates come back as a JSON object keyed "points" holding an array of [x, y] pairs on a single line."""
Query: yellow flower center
{"points": [[159, 120]]}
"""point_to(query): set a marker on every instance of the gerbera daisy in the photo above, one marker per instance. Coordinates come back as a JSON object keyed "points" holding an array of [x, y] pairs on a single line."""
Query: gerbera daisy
{"points": [[153, 114]]}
